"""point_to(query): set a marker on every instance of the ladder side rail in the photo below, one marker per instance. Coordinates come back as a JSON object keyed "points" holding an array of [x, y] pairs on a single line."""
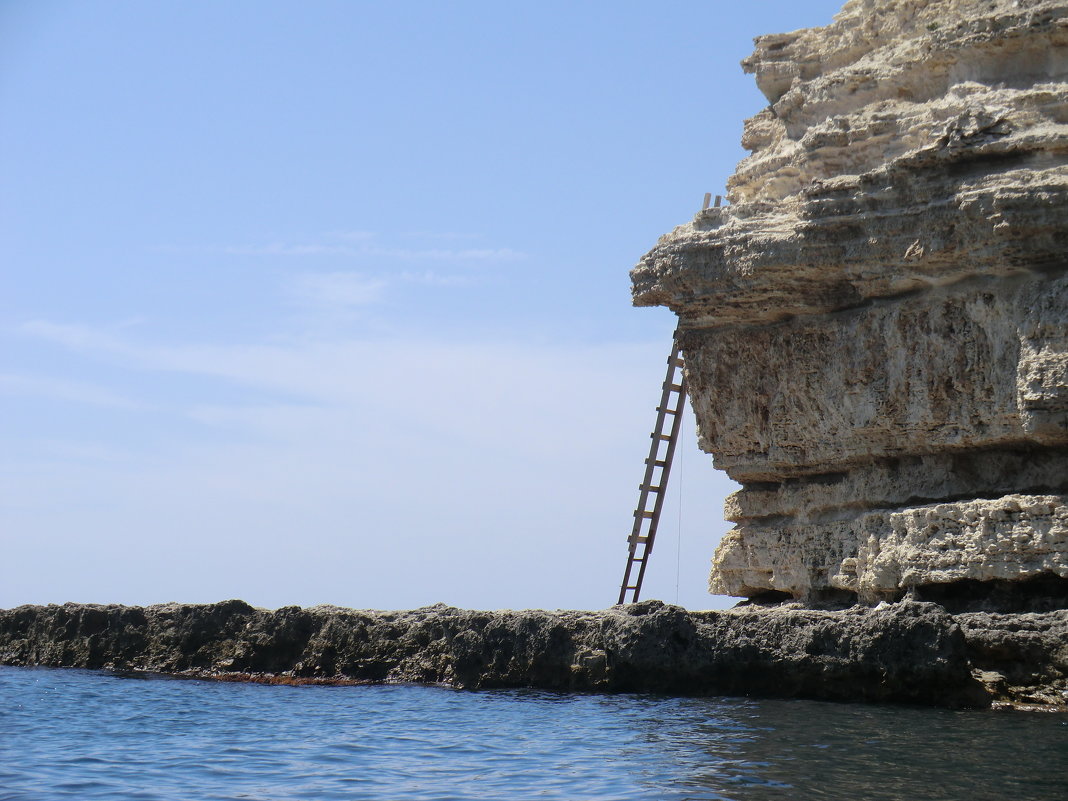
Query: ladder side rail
{"points": [[668, 457], [654, 450], [636, 531], [636, 537], [658, 508], [641, 577], [643, 500], [647, 487], [640, 515]]}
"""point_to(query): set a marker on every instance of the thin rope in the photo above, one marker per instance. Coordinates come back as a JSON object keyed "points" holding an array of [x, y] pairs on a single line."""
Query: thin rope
{"points": [[682, 461]]}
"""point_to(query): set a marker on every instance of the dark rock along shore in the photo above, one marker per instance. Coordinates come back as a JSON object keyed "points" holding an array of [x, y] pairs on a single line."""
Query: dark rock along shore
{"points": [[911, 652]]}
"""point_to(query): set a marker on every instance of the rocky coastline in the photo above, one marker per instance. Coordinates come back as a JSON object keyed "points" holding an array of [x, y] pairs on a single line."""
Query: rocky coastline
{"points": [[875, 337], [911, 652], [875, 330]]}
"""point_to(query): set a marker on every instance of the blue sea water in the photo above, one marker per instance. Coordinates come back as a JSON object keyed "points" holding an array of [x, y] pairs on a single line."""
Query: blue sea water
{"points": [[92, 735]]}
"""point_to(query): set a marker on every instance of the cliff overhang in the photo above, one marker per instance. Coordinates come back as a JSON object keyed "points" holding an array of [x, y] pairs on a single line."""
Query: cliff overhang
{"points": [[876, 327]]}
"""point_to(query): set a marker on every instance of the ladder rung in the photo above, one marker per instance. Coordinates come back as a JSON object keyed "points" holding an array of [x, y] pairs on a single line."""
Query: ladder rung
{"points": [[672, 383]]}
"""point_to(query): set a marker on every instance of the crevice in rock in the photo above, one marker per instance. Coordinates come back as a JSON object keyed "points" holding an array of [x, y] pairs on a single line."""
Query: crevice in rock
{"points": [[1008, 275], [891, 484], [1042, 593], [766, 598]]}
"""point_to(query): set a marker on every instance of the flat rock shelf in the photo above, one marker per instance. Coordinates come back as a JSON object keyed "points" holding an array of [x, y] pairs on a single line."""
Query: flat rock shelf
{"points": [[905, 652]]}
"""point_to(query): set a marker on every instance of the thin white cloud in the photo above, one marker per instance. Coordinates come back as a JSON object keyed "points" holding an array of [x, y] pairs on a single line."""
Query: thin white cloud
{"points": [[340, 296], [74, 337], [376, 251], [368, 244], [279, 421], [443, 235], [453, 386], [431, 278], [63, 390], [446, 254], [338, 289], [352, 236], [282, 249]]}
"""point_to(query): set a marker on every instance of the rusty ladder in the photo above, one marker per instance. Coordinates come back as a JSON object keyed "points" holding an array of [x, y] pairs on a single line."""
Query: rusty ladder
{"points": [[657, 468]]}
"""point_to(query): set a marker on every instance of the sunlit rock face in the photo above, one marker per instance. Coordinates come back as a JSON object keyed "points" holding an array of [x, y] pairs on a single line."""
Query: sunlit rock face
{"points": [[876, 327]]}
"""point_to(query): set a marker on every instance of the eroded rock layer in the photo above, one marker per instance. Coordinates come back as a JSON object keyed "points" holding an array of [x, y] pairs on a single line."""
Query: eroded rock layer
{"points": [[876, 327], [906, 652]]}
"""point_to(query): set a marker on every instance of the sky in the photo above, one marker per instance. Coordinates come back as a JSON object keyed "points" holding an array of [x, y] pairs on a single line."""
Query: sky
{"points": [[327, 302]]}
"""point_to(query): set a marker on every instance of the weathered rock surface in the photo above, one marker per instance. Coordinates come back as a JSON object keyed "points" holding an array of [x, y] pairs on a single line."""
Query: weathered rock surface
{"points": [[876, 328], [906, 652]]}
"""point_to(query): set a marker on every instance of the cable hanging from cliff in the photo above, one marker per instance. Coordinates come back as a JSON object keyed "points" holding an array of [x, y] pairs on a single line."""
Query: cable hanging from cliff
{"points": [[682, 473]]}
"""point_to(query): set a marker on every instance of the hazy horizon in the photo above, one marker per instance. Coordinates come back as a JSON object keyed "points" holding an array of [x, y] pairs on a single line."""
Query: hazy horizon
{"points": [[328, 303]]}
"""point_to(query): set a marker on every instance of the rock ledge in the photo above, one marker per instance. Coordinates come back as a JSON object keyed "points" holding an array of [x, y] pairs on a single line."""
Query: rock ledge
{"points": [[910, 652]]}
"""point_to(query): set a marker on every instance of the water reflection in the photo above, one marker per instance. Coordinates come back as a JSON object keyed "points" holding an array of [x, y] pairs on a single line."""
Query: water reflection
{"points": [[803, 749]]}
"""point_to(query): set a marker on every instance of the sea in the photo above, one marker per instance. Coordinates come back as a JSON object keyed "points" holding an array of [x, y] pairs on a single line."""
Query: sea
{"points": [[79, 734]]}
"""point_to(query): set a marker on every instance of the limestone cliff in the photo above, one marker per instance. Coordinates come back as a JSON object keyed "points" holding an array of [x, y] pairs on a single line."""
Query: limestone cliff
{"points": [[876, 326]]}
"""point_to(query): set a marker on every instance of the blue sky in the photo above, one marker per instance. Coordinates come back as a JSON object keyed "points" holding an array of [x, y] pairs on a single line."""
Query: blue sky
{"points": [[327, 302]]}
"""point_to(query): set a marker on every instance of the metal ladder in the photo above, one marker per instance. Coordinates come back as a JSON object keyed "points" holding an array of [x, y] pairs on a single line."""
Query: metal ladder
{"points": [[657, 468]]}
